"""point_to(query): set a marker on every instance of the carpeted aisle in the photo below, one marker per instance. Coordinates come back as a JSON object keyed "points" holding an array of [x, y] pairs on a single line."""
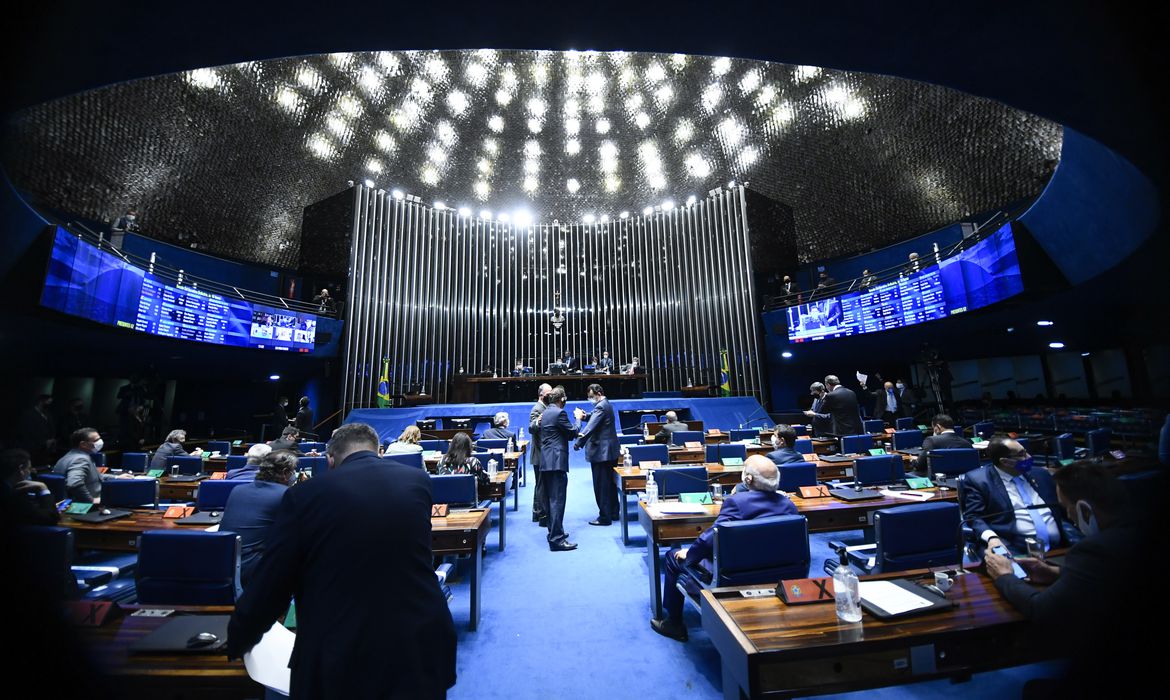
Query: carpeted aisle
{"points": [[575, 625]]}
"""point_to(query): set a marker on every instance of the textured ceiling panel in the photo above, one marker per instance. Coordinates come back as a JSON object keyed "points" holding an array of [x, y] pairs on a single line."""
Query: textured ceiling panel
{"points": [[227, 157]]}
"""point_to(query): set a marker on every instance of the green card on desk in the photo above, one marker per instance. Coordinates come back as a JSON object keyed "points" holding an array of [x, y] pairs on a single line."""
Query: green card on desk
{"points": [[703, 498], [732, 461]]}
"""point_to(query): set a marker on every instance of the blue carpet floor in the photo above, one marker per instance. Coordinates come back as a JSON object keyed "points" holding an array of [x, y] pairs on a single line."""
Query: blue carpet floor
{"points": [[575, 625]]}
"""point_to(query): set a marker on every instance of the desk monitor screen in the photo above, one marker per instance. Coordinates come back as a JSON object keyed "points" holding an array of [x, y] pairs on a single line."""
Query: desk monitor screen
{"points": [[556, 368]]}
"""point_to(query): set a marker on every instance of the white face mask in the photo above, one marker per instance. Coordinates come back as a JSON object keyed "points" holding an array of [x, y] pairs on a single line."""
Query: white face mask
{"points": [[900, 386], [775, 443], [1087, 524], [97, 446]]}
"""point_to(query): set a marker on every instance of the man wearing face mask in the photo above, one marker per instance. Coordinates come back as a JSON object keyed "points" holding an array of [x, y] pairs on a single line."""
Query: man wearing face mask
{"points": [[783, 438], [599, 437], [83, 483], [887, 404], [127, 223], [822, 423], [1004, 501]]}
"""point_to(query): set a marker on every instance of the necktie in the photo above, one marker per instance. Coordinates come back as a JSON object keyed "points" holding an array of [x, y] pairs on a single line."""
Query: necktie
{"points": [[1037, 517]]}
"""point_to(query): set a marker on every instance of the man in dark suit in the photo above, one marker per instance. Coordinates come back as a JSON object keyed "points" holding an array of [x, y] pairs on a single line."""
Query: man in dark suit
{"points": [[279, 420], [369, 626], [605, 364], [172, 447], [499, 429], [671, 426], [759, 501], [783, 438], [539, 515], [996, 500], [789, 292], [569, 361], [287, 441], [822, 423], [840, 405], [555, 433], [943, 437], [887, 404], [599, 437]]}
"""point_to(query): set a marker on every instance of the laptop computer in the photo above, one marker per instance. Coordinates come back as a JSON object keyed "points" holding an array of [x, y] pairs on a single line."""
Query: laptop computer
{"points": [[836, 458], [852, 494], [186, 478], [181, 635], [206, 517]]}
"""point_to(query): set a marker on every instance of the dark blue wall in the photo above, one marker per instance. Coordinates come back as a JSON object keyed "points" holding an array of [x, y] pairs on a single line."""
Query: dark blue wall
{"points": [[842, 269], [249, 277]]}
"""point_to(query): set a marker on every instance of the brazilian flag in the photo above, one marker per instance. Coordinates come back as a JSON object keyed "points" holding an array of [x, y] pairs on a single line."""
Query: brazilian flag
{"points": [[724, 374], [384, 384]]}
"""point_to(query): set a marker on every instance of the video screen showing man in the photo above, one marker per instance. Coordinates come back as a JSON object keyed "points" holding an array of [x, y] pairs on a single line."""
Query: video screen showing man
{"points": [[284, 326], [262, 325]]}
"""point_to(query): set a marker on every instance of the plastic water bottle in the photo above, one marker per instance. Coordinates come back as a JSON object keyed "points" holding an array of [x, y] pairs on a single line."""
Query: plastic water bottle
{"points": [[511, 445], [846, 592], [652, 490], [628, 461], [492, 471]]}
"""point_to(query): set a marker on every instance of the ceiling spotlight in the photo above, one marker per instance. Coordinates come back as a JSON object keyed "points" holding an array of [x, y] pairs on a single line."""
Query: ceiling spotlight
{"points": [[605, 218], [465, 212], [786, 354], [369, 183], [274, 377], [691, 200], [397, 194], [522, 218], [588, 218], [503, 217], [439, 206], [667, 205], [625, 214], [1085, 354], [1044, 323], [730, 184], [1057, 345], [647, 211], [573, 185], [485, 214], [1011, 329]]}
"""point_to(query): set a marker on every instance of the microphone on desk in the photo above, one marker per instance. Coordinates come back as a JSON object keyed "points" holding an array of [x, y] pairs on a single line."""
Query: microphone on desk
{"points": [[751, 417]]}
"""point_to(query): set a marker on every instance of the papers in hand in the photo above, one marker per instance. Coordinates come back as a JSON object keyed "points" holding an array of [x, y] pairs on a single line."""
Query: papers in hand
{"points": [[891, 598], [267, 662]]}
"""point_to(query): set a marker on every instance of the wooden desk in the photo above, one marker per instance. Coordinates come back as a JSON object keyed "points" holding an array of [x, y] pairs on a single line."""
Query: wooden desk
{"points": [[652, 429], [698, 455], [497, 492], [823, 514], [464, 532], [471, 389], [769, 649], [162, 676]]}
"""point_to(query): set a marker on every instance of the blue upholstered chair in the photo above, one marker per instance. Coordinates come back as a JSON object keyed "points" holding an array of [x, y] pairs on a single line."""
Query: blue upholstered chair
{"points": [[316, 466], [984, 429], [675, 480], [730, 451], [762, 550], [711, 453], [435, 445], [236, 462], [456, 489], [188, 567], [1064, 446], [803, 445], [874, 425], [908, 439], [746, 434], [221, 446], [684, 436], [794, 475], [130, 493], [54, 482], [188, 464], [135, 461], [648, 418], [309, 446], [649, 453], [953, 461], [50, 550], [99, 459], [856, 444], [630, 439], [905, 424], [882, 469], [1097, 441], [407, 459], [800, 429], [212, 494], [491, 444], [915, 536]]}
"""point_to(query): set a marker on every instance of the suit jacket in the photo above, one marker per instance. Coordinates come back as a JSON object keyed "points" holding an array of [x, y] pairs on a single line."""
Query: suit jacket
{"points": [[279, 419], [166, 451], [605, 363], [83, 483], [822, 423], [841, 406], [599, 436], [249, 512], [304, 420], [571, 362], [555, 432], [369, 626], [497, 434], [987, 505], [283, 444], [785, 455], [534, 430], [945, 441], [672, 427], [744, 505], [879, 403]]}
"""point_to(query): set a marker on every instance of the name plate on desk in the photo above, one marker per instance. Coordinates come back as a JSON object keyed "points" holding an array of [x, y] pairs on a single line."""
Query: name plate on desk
{"points": [[890, 431], [179, 512], [818, 491], [877, 452], [218, 475], [692, 444], [439, 510], [103, 470], [810, 458], [802, 591], [649, 464], [703, 497], [732, 461], [79, 508], [155, 473]]}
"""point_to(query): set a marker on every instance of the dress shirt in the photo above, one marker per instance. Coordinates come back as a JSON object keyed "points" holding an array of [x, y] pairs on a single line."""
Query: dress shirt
{"points": [[891, 401], [1023, 514]]}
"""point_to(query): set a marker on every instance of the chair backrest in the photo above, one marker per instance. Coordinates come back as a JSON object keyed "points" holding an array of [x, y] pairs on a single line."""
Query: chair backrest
{"points": [[905, 423], [796, 474], [99, 459], [853, 444], [406, 459], [746, 434], [984, 429], [876, 470], [221, 446], [55, 483], [908, 439], [680, 437], [919, 535], [803, 445], [435, 445], [649, 453], [309, 446], [314, 465], [730, 451], [188, 464], [874, 426], [455, 489], [188, 567], [954, 460], [130, 493], [212, 494], [50, 553], [1065, 445], [712, 453], [135, 461], [1098, 441], [236, 462], [761, 550], [675, 480], [491, 444], [630, 439], [648, 418], [800, 429]]}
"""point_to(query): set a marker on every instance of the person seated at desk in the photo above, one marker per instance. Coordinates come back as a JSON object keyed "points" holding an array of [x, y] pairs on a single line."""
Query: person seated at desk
{"points": [[1000, 500], [172, 447], [83, 482], [518, 368], [943, 437], [759, 501], [605, 364], [635, 367], [407, 442], [459, 460], [289, 437], [251, 508], [22, 500], [255, 453], [499, 429], [783, 438], [671, 425], [569, 361]]}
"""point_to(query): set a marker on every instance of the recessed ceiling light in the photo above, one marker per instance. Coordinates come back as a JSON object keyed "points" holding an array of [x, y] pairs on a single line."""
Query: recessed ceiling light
{"points": [[786, 354], [1044, 323], [1057, 345]]}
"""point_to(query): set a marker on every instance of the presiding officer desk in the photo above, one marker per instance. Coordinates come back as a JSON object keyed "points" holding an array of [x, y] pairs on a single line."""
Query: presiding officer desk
{"points": [[469, 389], [770, 649]]}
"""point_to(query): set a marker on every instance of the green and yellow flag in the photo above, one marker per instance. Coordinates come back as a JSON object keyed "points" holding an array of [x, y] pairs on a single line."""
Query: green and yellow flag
{"points": [[724, 374], [384, 384]]}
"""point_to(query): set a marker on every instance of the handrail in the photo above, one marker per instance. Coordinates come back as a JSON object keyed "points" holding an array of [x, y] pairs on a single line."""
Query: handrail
{"points": [[180, 278]]}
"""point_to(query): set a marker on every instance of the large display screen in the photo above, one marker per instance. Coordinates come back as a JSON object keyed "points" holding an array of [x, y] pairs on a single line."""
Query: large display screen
{"points": [[85, 281], [983, 274]]}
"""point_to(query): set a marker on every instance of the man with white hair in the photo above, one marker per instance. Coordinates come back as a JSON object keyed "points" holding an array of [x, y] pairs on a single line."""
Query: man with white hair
{"points": [[172, 447], [760, 500], [499, 429], [254, 454]]}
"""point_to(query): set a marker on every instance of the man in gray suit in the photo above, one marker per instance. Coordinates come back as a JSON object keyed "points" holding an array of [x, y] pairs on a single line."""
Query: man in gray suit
{"points": [[83, 483], [555, 431], [599, 437], [538, 513], [672, 425]]}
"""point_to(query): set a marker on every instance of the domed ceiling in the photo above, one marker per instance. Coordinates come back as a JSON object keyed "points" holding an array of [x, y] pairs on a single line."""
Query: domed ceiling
{"points": [[225, 158]]}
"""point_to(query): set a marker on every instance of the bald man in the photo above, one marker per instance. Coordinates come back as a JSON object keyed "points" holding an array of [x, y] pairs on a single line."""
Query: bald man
{"points": [[760, 500]]}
